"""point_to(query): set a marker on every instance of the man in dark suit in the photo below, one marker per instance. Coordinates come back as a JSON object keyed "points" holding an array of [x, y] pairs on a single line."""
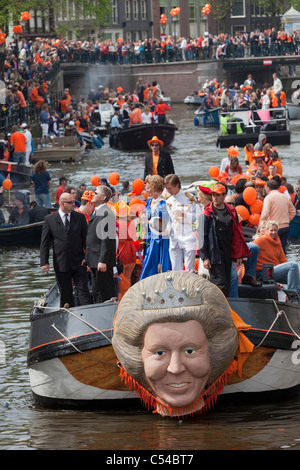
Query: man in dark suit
{"points": [[158, 162], [66, 229], [100, 253]]}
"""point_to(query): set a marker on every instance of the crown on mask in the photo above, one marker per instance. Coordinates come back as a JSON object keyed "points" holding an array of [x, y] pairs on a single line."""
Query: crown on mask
{"points": [[171, 298]]}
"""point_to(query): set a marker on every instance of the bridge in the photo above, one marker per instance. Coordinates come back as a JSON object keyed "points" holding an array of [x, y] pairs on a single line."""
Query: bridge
{"points": [[176, 79]]}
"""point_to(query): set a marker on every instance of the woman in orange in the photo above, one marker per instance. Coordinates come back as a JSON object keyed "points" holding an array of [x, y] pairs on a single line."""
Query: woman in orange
{"points": [[126, 235]]}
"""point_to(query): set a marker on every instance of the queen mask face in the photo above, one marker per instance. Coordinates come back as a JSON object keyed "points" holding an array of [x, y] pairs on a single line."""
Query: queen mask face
{"points": [[176, 361]]}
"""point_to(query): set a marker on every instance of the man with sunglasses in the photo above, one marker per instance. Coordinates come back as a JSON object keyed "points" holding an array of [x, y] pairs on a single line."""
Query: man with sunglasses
{"points": [[66, 230], [158, 162]]}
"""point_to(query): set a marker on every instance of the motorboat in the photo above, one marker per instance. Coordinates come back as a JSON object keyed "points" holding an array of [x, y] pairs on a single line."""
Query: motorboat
{"points": [[136, 136], [72, 362], [20, 175], [239, 127], [57, 149], [207, 118]]}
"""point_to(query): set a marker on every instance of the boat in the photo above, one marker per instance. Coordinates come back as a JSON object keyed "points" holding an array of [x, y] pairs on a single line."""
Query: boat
{"points": [[72, 363], [194, 99], [21, 235], [137, 136], [106, 111], [293, 111], [20, 175], [294, 227], [208, 118], [242, 126], [57, 149]]}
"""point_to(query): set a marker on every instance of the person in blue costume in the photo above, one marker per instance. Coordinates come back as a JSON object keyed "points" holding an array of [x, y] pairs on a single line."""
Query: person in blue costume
{"points": [[156, 252]]}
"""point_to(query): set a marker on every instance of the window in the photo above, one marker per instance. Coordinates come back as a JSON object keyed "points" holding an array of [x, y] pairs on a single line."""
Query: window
{"points": [[143, 10], [135, 10], [238, 9], [127, 10], [114, 8]]}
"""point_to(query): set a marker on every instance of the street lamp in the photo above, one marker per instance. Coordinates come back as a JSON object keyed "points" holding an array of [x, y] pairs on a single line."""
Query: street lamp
{"points": [[174, 12], [163, 21], [205, 13]]}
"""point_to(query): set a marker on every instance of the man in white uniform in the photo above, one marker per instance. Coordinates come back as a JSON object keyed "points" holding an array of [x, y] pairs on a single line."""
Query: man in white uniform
{"points": [[28, 147], [184, 212]]}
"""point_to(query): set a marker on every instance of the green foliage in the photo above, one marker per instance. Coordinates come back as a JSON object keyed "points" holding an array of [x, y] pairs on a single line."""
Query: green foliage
{"points": [[96, 12]]}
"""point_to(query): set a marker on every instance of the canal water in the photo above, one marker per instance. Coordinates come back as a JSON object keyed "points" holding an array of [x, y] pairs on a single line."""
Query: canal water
{"points": [[263, 425]]}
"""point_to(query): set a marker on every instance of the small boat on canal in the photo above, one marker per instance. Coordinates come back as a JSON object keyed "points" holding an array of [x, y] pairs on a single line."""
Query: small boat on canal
{"points": [[242, 126], [194, 99], [20, 175], [21, 235], [293, 111], [57, 149], [137, 136], [73, 364], [208, 118]]}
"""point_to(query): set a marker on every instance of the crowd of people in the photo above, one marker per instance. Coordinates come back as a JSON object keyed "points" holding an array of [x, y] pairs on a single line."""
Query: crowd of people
{"points": [[126, 235], [29, 63], [42, 53]]}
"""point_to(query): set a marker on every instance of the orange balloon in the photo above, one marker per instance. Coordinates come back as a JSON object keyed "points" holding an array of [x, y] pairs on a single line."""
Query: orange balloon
{"points": [[7, 184], [145, 196], [256, 207], [95, 180], [254, 219], [214, 171], [114, 178], [249, 195], [138, 186], [243, 212]]}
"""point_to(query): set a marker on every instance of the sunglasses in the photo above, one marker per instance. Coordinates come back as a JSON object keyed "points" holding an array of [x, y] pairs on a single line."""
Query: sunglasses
{"points": [[154, 145], [70, 202]]}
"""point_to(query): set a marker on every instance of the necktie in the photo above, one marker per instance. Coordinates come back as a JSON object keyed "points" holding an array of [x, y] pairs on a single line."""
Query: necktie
{"points": [[67, 222]]}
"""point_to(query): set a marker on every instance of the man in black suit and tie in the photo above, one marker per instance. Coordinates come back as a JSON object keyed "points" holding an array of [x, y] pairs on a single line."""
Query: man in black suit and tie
{"points": [[66, 229], [100, 253], [158, 162]]}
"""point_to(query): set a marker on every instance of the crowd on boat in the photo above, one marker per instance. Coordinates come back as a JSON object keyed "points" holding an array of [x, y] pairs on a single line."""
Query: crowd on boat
{"points": [[245, 95], [155, 225]]}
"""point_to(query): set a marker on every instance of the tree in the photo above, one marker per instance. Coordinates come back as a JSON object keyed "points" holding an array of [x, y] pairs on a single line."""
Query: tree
{"points": [[96, 12]]}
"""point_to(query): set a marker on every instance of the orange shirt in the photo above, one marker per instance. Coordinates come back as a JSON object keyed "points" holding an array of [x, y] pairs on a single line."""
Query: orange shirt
{"points": [[135, 117], [154, 163], [18, 140]]}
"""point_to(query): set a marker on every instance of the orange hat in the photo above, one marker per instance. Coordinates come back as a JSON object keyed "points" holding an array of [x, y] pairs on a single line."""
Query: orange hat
{"points": [[233, 151], [122, 209], [87, 196], [155, 140], [259, 182], [258, 154], [219, 189]]}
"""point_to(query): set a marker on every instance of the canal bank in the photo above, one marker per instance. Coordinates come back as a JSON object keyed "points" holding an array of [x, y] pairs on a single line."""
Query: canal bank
{"points": [[176, 79]]}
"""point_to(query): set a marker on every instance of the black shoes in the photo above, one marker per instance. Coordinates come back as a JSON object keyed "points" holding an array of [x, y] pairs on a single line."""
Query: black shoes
{"points": [[251, 282]]}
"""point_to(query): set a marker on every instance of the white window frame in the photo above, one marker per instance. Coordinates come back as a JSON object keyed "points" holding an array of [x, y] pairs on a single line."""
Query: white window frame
{"points": [[240, 16]]}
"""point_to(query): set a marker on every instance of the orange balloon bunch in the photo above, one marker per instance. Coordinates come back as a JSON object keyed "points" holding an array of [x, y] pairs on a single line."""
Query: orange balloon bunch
{"points": [[175, 11], [163, 19], [2, 37], [206, 9], [25, 16], [18, 29]]}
